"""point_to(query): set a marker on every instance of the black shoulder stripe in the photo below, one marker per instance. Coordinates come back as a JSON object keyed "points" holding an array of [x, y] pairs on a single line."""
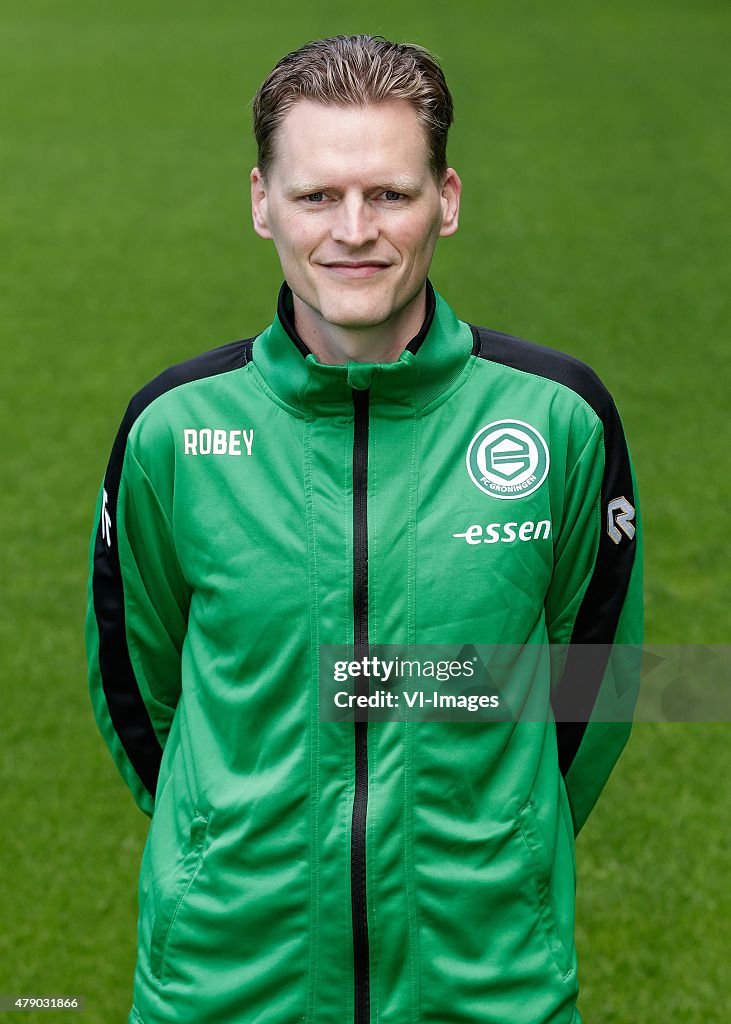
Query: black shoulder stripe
{"points": [[543, 361], [223, 359], [598, 615], [127, 709]]}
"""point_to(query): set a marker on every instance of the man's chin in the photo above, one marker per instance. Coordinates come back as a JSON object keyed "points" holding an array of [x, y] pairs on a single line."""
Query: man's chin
{"points": [[356, 313]]}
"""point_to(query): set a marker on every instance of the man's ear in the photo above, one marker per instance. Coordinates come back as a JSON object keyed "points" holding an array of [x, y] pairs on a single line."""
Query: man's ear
{"points": [[451, 192], [259, 204]]}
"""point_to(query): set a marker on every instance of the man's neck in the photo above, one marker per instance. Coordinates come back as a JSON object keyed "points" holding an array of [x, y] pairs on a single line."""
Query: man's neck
{"points": [[383, 343]]}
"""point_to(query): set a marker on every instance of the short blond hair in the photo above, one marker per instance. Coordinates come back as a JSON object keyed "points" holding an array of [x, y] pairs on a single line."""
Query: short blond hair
{"points": [[356, 71]]}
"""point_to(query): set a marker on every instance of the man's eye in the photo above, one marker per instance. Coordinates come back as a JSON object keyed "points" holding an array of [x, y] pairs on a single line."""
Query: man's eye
{"points": [[392, 196], [315, 197]]}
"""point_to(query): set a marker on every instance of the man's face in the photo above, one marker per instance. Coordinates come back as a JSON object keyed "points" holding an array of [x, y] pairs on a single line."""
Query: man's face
{"points": [[353, 209]]}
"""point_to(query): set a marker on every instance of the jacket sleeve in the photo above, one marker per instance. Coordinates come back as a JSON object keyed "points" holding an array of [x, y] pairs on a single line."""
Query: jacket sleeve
{"points": [[594, 611], [136, 620]]}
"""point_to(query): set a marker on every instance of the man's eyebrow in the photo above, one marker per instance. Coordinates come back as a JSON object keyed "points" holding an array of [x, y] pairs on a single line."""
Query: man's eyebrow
{"points": [[402, 183], [397, 183], [304, 188]]}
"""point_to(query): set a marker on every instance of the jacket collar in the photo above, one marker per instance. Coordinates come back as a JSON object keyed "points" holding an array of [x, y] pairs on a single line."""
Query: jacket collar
{"points": [[429, 365]]}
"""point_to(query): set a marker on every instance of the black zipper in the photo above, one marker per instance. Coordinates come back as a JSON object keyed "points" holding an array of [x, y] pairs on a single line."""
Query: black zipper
{"points": [[359, 906]]}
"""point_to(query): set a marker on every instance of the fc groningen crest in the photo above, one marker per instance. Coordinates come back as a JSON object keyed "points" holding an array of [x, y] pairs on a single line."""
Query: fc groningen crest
{"points": [[508, 459]]}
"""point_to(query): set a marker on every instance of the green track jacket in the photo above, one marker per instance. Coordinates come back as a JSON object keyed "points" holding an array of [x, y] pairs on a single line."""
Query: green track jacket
{"points": [[259, 504]]}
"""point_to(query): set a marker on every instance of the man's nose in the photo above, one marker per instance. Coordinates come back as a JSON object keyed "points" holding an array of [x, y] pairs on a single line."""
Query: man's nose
{"points": [[355, 224]]}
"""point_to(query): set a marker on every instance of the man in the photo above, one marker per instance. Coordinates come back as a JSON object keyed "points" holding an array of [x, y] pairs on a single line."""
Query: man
{"points": [[367, 470]]}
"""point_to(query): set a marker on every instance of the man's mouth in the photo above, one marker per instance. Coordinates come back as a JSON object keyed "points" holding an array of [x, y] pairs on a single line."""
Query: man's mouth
{"points": [[355, 268]]}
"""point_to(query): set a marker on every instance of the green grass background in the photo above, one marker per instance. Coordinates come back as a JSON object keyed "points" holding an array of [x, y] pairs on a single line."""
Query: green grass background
{"points": [[591, 139]]}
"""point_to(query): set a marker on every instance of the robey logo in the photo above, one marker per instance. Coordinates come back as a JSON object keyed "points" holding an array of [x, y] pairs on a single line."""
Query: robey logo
{"points": [[210, 441], [106, 520], [508, 459], [620, 515]]}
